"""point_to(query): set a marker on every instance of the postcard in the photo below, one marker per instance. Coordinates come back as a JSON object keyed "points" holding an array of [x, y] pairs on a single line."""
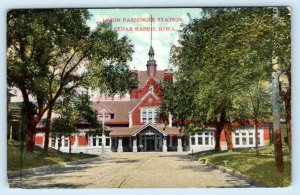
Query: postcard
{"points": [[149, 97]]}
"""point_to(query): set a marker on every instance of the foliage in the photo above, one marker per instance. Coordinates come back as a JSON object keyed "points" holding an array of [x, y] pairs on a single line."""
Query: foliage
{"points": [[51, 52], [221, 57], [73, 109], [260, 168], [37, 158]]}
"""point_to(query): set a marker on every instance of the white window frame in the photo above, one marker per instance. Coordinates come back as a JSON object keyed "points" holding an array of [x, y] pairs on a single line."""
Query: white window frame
{"points": [[106, 117], [206, 135], [237, 134], [147, 111]]}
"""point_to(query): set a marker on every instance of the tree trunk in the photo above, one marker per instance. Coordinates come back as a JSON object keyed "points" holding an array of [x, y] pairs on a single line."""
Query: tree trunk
{"points": [[256, 136], [70, 147], [30, 133], [218, 136], [219, 127], [59, 143], [276, 117], [47, 130], [228, 136]]}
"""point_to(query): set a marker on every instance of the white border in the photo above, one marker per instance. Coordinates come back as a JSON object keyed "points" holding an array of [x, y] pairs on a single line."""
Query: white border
{"points": [[9, 4]]}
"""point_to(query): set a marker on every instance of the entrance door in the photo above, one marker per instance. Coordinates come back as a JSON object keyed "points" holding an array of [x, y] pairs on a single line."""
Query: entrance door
{"points": [[150, 144]]}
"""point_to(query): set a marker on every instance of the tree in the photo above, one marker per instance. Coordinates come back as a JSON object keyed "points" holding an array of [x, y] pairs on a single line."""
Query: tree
{"points": [[254, 105], [223, 52], [73, 109], [46, 71], [217, 54]]}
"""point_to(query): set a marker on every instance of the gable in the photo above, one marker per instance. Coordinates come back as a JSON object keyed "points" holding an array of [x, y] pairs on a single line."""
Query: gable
{"points": [[149, 100]]}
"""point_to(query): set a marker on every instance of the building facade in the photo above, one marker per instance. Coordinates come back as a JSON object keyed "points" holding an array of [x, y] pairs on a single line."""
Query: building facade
{"points": [[133, 126]]}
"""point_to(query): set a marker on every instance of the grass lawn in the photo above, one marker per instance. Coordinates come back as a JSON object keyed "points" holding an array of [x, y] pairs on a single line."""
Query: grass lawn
{"points": [[36, 158], [260, 168]]}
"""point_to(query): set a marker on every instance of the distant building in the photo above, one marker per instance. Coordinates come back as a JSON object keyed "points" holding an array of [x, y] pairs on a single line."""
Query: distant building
{"points": [[132, 124]]}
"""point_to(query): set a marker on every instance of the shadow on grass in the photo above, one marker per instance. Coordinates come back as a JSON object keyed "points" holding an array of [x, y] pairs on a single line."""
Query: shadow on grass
{"points": [[59, 185]]}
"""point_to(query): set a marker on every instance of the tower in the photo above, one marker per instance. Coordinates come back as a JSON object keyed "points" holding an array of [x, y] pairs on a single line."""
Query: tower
{"points": [[151, 63]]}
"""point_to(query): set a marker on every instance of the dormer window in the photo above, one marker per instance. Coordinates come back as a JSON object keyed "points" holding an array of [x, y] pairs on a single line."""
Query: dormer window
{"points": [[105, 118]]}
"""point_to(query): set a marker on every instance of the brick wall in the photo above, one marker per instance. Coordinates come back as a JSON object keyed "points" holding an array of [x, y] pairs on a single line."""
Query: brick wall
{"points": [[149, 101]]}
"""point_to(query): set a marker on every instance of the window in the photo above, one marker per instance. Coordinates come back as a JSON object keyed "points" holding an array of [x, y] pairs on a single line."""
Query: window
{"points": [[250, 140], [99, 141], [237, 141], [106, 117], [258, 135], [53, 142], [66, 143], [107, 142], [200, 141], [244, 141], [206, 140], [193, 141], [149, 115], [94, 141], [245, 138], [144, 117], [155, 116], [187, 141]]}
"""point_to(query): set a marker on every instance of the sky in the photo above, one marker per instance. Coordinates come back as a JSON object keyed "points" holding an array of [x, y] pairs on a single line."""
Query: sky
{"points": [[162, 38]]}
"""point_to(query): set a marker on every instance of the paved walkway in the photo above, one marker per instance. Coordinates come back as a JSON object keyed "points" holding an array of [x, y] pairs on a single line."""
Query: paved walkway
{"points": [[128, 170]]}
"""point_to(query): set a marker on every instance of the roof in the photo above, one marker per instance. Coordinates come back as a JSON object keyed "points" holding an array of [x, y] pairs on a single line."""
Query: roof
{"points": [[120, 109], [124, 132], [143, 77]]}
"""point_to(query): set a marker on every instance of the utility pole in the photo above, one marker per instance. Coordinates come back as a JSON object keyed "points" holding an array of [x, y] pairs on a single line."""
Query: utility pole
{"points": [[276, 105], [102, 137]]}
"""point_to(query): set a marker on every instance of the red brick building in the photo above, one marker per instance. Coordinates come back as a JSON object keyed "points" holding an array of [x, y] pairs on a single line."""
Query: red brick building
{"points": [[132, 125]]}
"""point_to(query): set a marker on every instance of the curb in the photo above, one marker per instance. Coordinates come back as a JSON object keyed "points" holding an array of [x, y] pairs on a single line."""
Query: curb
{"points": [[49, 168], [236, 174]]}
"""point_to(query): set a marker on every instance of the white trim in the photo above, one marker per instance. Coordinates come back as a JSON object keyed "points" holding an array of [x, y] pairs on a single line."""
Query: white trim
{"points": [[105, 107], [246, 135], [147, 125], [143, 98], [147, 110]]}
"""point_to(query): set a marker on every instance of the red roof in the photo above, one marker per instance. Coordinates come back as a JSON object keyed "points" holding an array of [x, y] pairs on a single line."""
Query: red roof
{"points": [[143, 77], [120, 109]]}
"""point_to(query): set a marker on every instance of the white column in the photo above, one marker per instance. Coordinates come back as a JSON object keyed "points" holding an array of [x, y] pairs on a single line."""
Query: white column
{"points": [[170, 120], [120, 144], [130, 119], [179, 144], [134, 147], [97, 141], [56, 143], [165, 148], [103, 137], [196, 139]]}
